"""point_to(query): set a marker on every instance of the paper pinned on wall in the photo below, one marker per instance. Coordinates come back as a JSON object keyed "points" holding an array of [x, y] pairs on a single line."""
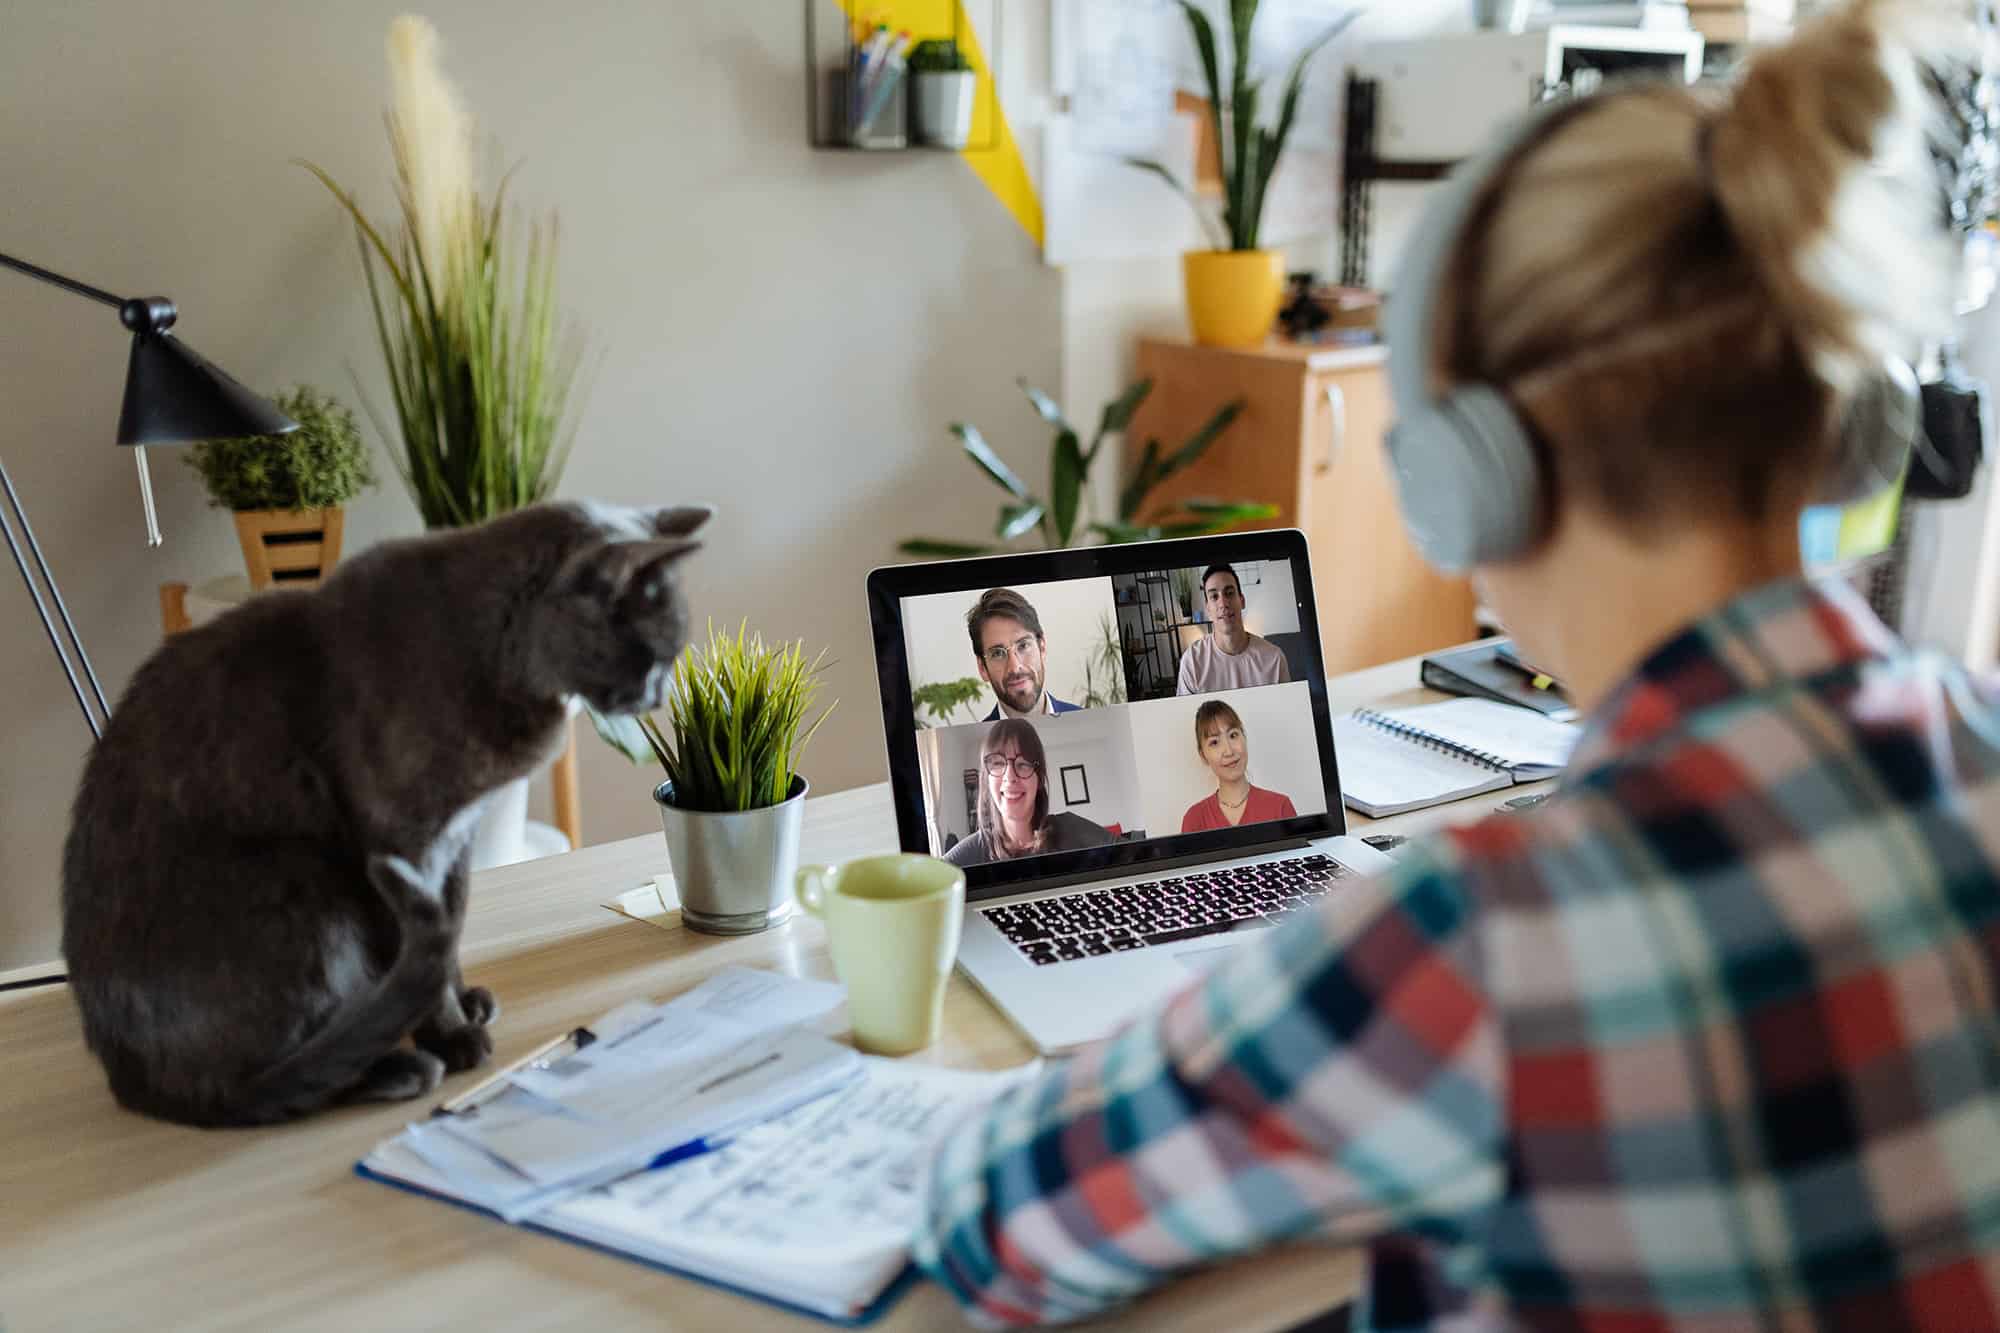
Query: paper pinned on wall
{"points": [[1118, 62], [1100, 207]]}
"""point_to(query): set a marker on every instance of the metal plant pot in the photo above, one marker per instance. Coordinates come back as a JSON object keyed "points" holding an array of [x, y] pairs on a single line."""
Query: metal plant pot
{"points": [[733, 869], [944, 107]]}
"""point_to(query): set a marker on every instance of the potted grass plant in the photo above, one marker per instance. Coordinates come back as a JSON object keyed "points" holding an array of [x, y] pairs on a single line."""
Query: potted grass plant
{"points": [[731, 806], [1234, 290], [481, 365], [288, 492], [942, 83]]}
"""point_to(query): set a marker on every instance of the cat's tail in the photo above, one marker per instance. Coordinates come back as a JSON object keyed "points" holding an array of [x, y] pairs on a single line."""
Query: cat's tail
{"points": [[335, 1059]]}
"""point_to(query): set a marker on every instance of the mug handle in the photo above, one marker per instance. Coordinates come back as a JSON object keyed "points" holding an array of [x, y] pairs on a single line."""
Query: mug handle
{"points": [[810, 886]]}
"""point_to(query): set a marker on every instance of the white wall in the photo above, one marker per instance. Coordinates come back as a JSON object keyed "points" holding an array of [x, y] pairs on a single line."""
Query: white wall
{"points": [[1100, 739], [1277, 721], [935, 638], [780, 331]]}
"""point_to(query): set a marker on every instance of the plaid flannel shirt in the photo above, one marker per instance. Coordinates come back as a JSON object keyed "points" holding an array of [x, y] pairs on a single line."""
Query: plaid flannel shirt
{"points": [[1707, 1042]]}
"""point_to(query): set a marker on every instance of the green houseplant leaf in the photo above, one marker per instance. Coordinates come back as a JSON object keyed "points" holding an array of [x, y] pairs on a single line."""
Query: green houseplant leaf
{"points": [[1065, 486], [1045, 406], [1066, 516], [989, 462], [1117, 416]]}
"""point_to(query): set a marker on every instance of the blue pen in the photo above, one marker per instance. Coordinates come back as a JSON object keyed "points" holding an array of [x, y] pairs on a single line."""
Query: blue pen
{"points": [[692, 1148]]}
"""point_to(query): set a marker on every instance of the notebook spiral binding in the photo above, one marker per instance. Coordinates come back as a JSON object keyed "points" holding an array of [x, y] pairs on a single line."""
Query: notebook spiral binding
{"points": [[1430, 740]]}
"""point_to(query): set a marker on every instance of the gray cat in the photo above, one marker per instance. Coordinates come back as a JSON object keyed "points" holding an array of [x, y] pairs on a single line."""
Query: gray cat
{"points": [[266, 868]]}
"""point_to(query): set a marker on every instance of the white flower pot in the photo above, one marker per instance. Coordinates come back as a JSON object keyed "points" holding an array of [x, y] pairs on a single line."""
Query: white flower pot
{"points": [[943, 107], [501, 838]]}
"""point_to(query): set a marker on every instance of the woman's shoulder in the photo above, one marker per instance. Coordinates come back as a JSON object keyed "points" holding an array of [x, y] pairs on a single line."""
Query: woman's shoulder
{"points": [[968, 851], [1276, 800]]}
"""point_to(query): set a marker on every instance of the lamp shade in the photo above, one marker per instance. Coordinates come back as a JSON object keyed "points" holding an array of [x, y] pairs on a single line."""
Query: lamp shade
{"points": [[173, 395]]}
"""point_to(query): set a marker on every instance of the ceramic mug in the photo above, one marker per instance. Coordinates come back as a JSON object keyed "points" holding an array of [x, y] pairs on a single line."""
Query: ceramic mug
{"points": [[892, 926]]}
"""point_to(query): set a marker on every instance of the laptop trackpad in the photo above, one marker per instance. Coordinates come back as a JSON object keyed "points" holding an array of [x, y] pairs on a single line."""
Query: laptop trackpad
{"points": [[1211, 952]]}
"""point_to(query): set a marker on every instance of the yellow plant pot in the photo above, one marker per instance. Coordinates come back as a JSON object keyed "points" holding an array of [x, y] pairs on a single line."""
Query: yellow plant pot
{"points": [[289, 548], [1233, 295]]}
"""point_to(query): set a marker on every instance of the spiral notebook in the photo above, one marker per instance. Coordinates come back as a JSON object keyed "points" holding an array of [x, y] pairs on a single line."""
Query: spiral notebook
{"points": [[1392, 762]]}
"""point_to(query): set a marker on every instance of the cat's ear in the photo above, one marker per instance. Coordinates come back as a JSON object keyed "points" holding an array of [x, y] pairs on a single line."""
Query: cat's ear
{"points": [[651, 577], [681, 520]]}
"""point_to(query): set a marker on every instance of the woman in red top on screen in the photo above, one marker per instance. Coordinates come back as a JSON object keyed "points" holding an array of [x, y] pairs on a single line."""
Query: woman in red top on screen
{"points": [[1219, 740]]}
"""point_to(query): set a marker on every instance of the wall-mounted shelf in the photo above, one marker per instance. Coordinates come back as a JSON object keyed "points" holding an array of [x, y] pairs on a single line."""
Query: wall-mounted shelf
{"points": [[1360, 168], [830, 52]]}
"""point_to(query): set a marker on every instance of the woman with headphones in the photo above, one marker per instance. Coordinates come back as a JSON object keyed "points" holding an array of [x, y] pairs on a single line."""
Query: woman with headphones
{"points": [[1709, 1040]]}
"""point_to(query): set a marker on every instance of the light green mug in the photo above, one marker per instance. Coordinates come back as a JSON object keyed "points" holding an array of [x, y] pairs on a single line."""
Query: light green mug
{"points": [[892, 925]]}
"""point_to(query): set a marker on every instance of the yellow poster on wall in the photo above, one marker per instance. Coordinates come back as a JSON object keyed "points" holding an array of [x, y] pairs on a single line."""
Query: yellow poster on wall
{"points": [[995, 158]]}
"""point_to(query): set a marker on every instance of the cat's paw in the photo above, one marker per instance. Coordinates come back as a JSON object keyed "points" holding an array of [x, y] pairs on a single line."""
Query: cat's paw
{"points": [[461, 1048], [400, 1075], [479, 1006]]}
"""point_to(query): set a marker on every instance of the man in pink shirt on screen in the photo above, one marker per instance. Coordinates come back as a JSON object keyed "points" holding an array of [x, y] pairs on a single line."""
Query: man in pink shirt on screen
{"points": [[1231, 658]]}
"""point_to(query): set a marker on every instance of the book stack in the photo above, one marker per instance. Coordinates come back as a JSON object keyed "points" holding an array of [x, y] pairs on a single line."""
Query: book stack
{"points": [[1734, 22]]}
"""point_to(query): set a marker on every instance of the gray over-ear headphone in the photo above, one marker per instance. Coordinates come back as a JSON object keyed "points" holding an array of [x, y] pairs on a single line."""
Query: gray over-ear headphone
{"points": [[1467, 475]]}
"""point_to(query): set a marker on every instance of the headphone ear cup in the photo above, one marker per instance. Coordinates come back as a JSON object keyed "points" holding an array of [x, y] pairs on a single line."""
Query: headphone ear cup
{"points": [[1877, 433], [1467, 479]]}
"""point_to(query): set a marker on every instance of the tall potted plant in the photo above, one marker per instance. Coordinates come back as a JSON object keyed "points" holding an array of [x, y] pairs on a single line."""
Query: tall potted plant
{"points": [[481, 365], [733, 798], [1234, 290], [288, 492]]}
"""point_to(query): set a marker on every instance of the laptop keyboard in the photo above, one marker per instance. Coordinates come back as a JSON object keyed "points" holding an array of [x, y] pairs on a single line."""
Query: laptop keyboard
{"points": [[1163, 911]]}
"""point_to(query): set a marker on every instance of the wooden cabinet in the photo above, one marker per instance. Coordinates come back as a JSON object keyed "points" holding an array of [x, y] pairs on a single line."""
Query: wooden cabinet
{"points": [[1310, 440]]}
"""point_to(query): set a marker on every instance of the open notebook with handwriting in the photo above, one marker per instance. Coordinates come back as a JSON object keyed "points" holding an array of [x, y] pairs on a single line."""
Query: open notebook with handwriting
{"points": [[810, 1207]]}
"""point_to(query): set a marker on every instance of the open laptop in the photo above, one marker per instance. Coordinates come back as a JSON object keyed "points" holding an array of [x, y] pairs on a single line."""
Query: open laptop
{"points": [[1119, 872]]}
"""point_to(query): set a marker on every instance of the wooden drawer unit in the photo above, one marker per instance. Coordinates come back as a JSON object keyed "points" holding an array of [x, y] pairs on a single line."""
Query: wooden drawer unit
{"points": [[1310, 440]]}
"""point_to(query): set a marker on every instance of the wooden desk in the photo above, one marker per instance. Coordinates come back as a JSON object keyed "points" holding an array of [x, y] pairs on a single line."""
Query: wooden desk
{"points": [[109, 1219]]}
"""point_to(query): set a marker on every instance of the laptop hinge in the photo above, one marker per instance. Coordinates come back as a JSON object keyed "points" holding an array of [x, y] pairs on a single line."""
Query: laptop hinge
{"points": [[1139, 869]]}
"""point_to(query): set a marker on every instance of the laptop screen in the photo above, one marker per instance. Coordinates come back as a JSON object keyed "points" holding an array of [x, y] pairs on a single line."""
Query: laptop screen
{"points": [[1056, 714]]}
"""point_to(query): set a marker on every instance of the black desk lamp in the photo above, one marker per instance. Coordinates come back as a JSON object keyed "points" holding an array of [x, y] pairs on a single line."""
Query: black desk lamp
{"points": [[172, 396]]}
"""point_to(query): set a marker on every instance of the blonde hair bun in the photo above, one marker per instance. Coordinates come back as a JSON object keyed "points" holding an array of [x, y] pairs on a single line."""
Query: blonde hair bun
{"points": [[1822, 161]]}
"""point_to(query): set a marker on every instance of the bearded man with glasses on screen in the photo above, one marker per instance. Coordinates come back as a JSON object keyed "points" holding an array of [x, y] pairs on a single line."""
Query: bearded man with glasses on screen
{"points": [[1012, 655]]}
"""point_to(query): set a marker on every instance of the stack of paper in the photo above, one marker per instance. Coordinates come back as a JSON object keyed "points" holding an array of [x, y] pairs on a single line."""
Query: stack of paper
{"points": [[717, 1134]]}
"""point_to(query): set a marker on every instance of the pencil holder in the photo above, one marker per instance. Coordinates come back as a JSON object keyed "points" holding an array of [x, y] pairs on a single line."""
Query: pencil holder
{"points": [[888, 127]]}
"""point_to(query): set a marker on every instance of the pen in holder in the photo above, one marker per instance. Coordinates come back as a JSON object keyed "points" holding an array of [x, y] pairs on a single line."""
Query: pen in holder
{"points": [[867, 101]]}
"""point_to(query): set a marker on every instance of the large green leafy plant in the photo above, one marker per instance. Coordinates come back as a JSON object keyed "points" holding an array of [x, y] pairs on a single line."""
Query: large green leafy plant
{"points": [[1248, 151], [736, 721], [479, 365], [320, 465], [1064, 514]]}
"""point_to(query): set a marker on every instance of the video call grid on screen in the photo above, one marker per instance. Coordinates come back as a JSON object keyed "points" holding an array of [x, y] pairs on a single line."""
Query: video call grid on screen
{"points": [[1110, 691]]}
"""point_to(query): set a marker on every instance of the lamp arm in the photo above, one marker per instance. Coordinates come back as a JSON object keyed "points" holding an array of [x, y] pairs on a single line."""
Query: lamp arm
{"points": [[68, 284]]}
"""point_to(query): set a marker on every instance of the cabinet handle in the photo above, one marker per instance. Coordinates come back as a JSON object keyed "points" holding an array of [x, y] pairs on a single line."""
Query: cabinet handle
{"points": [[1336, 435]]}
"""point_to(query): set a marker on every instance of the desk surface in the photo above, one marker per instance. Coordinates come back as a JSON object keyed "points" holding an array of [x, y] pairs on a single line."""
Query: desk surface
{"points": [[112, 1219]]}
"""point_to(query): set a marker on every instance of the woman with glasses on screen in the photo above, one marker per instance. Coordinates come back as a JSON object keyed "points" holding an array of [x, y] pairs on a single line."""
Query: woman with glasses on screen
{"points": [[1014, 818], [1224, 747]]}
